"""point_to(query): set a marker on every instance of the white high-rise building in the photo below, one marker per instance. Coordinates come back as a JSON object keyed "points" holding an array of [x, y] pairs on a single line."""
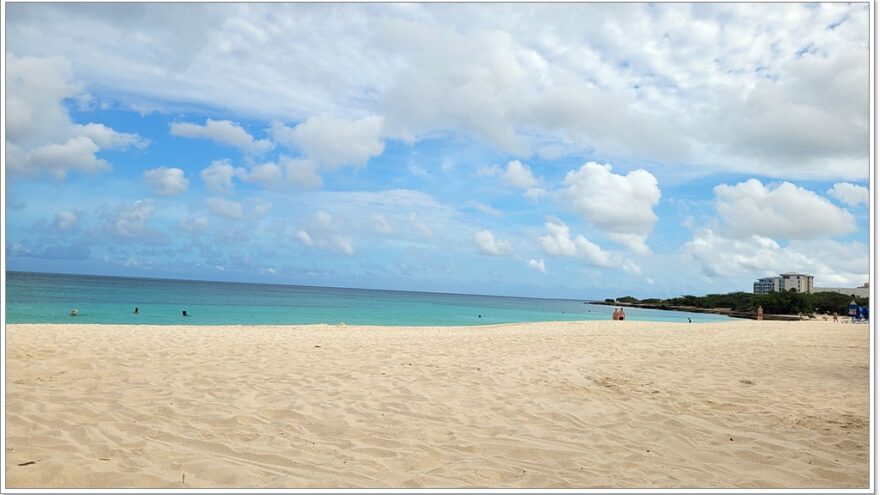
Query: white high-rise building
{"points": [[800, 282]]}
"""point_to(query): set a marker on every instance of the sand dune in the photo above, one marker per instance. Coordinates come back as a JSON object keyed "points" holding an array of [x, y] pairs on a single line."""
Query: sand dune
{"points": [[561, 405]]}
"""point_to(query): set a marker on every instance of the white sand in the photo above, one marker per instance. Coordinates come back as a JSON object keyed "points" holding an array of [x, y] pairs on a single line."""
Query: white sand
{"points": [[592, 404]]}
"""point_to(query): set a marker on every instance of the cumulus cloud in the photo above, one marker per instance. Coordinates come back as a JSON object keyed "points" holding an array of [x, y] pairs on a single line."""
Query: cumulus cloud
{"points": [[537, 265], [489, 245], [516, 174], [223, 132], [167, 181], [832, 263], [849, 194], [218, 176], [40, 135], [225, 208], [287, 173], [785, 211], [621, 205], [333, 142], [558, 242]]}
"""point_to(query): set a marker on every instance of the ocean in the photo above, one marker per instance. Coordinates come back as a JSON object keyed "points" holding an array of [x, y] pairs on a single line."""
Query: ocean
{"points": [[49, 298]]}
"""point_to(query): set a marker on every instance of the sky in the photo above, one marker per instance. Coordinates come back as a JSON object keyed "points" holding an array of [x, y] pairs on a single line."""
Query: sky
{"points": [[546, 150]]}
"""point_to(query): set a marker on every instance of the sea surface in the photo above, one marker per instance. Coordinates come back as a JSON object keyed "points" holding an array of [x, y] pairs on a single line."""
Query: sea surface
{"points": [[49, 298]]}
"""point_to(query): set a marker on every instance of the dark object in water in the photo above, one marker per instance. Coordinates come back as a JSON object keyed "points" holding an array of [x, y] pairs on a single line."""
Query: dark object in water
{"points": [[184, 313], [479, 316], [137, 310]]}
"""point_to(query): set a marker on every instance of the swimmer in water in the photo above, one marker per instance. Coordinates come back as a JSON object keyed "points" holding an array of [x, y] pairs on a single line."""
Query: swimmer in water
{"points": [[74, 312], [184, 313], [137, 310]]}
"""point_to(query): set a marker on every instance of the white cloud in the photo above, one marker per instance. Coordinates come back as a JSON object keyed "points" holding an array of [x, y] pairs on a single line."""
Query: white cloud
{"points": [[225, 208], [76, 154], [782, 212], [223, 132], [537, 265], [130, 222], [558, 242], [768, 88], [833, 264], [489, 245], [107, 138], [516, 174], [333, 142], [218, 176], [621, 205], [167, 181], [65, 220], [40, 135], [302, 174], [519, 175], [849, 194], [266, 174]]}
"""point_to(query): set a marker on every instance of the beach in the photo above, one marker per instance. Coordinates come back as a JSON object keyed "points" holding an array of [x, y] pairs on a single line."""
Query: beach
{"points": [[596, 404]]}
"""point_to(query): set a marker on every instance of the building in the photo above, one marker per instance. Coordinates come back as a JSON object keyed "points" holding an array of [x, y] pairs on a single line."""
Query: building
{"points": [[863, 291], [800, 282], [767, 285]]}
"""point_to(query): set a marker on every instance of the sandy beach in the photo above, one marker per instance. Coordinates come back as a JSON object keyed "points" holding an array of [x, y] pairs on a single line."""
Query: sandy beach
{"points": [[743, 404]]}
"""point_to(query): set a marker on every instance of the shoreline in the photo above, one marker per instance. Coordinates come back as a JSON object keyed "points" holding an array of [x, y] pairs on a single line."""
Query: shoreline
{"points": [[745, 315], [589, 404]]}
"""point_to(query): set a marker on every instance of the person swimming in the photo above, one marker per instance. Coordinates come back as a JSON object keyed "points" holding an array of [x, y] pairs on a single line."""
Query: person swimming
{"points": [[74, 312], [137, 310], [184, 313]]}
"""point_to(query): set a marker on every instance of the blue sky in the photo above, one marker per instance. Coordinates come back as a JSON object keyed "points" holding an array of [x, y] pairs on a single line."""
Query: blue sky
{"points": [[554, 150]]}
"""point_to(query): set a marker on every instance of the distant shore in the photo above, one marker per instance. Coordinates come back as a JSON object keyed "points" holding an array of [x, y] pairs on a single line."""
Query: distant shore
{"points": [[590, 404]]}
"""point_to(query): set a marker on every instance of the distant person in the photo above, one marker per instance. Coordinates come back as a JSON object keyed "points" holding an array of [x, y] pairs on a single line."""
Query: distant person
{"points": [[834, 317], [689, 320], [184, 313], [137, 311], [74, 312], [622, 315], [479, 316]]}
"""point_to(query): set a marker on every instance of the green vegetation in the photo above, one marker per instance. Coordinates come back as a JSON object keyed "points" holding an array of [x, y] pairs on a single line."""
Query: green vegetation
{"points": [[774, 303]]}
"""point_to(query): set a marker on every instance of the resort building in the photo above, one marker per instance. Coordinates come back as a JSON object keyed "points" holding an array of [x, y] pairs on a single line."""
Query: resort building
{"points": [[800, 282], [863, 291]]}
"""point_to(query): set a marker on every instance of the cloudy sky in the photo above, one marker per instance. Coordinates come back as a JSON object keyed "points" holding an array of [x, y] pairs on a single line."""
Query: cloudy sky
{"points": [[550, 150]]}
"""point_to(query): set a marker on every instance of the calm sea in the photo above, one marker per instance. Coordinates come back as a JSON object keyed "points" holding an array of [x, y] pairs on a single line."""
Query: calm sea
{"points": [[49, 298]]}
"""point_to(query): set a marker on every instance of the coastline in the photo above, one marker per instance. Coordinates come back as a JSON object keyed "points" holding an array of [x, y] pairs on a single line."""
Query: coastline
{"points": [[746, 315], [590, 404]]}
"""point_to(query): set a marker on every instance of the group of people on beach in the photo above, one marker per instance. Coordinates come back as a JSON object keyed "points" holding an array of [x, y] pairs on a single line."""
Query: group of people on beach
{"points": [[618, 314]]}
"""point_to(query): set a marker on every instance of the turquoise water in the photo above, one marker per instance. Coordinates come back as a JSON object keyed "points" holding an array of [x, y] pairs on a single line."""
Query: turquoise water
{"points": [[48, 298]]}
